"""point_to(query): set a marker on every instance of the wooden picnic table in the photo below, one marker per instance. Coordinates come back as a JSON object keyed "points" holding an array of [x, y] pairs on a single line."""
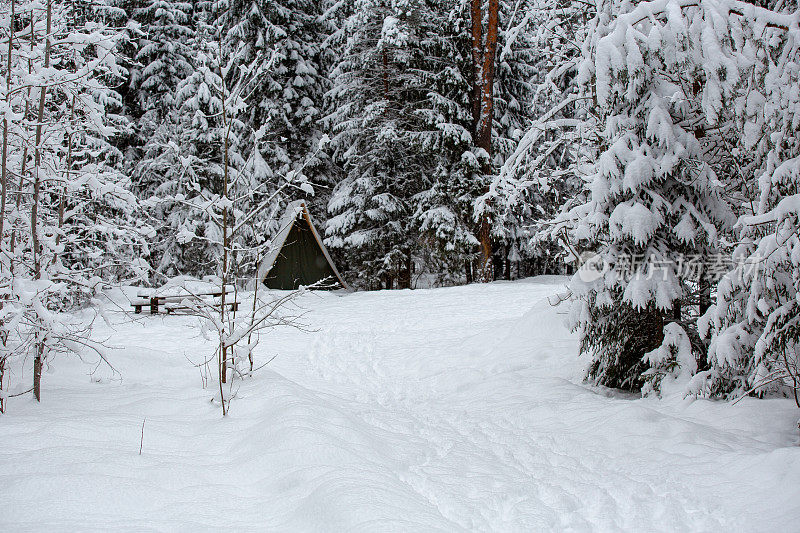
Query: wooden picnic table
{"points": [[172, 299]]}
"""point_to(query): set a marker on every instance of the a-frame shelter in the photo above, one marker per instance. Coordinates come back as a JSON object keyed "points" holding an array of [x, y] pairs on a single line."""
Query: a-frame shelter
{"points": [[298, 256]]}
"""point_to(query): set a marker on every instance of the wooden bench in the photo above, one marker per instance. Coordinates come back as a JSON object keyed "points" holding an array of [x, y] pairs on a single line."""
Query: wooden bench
{"points": [[171, 307], [173, 302]]}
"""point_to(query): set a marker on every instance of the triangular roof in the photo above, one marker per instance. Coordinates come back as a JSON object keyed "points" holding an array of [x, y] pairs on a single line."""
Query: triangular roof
{"points": [[290, 216]]}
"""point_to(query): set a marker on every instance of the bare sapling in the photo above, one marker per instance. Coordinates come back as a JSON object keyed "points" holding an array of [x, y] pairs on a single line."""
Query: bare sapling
{"points": [[235, 208]]}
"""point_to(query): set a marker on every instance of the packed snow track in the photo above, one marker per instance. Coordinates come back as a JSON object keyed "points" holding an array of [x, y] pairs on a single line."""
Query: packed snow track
{"points": [[454, 409]]}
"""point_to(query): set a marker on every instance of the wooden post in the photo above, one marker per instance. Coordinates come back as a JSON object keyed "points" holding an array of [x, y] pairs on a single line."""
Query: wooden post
{"points": [[153, 305]]}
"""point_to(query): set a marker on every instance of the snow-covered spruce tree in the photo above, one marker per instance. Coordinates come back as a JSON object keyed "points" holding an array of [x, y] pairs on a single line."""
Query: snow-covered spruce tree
{"points": [[191, 163], [283, 110], [187, 162], [443, 209], [164, 54], [130, 136], [460, 173], [164, 38], [72, 218], [163, 41], [755, 325], [373, 123], [663, 84]]}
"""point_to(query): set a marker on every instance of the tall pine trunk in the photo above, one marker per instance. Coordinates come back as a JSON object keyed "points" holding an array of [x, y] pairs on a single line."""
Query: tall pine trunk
{"points": [[476, 13], [484, 51], [484, 128]]}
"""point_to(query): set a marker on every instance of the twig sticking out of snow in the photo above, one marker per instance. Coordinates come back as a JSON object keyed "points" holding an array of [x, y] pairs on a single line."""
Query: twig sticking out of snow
{"points": [[141, 441]]}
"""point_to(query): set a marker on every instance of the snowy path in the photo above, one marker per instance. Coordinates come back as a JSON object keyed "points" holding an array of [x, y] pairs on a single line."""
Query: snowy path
{"points": [[447, 409]]}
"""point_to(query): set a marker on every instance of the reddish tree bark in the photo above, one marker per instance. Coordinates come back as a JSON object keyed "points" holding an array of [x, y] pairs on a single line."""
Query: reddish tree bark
{"points": [[484, 51], [476, 13], [484, 129]]}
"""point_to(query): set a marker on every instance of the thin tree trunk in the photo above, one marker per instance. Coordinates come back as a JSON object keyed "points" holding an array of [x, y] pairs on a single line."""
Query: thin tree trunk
{"points": [[63, 197], [409, 267], [221, 360], [4, 176], [385, 58], [468, 270], [37, 370], [705, 292], [24, 164], [5, 182], [252, 321], [2, 376], [704, 304], [225, 238], [404, 278], [37, 185], [3, 179], [37, 182]]}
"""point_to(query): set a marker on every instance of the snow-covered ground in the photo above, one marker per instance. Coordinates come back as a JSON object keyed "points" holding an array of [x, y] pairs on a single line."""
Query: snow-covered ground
{"points": [[429, 410]]}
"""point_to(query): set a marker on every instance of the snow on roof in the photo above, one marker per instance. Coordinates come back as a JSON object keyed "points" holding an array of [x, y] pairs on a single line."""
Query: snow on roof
{"points": [[290, 216]]}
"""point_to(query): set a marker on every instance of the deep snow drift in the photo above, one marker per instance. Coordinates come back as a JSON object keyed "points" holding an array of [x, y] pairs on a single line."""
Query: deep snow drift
{"points": [[444, 409]]}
